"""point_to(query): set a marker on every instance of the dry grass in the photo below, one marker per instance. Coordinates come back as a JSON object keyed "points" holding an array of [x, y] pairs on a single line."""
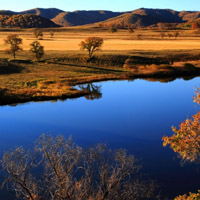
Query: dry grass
{"points": [[64, 65], [69, 39]]}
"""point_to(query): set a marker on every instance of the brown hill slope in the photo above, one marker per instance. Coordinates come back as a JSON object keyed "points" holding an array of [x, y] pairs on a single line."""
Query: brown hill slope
{"points": [[146, 17], [48, 13], [25, 21], [83, 17]]}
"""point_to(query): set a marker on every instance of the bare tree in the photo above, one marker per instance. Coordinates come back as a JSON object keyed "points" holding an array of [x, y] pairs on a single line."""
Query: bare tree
{"points": [[74, 173], [14, 41]]}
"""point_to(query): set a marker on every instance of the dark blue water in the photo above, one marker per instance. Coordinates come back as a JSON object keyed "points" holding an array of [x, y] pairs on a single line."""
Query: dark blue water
{"points": [[131, 114]]}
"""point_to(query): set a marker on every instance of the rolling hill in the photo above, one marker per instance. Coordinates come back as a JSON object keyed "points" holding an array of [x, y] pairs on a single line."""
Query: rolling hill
{"points": [[147, 17], [48, 13], [51, 17], [25, 21], [83, 17]]}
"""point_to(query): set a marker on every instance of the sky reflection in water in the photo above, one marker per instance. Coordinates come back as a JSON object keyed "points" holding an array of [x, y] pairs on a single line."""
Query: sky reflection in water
{"points": [[130, 114]]}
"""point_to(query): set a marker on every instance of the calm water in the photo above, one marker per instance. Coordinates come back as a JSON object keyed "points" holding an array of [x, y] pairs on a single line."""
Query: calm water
{"points": [[131, 114]]}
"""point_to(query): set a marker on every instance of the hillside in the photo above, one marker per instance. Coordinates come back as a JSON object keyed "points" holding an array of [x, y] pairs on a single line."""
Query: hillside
{"points": [[25, 21], [138, 18], [75, 18], [83, 17], [48, 13], [147, 17]]}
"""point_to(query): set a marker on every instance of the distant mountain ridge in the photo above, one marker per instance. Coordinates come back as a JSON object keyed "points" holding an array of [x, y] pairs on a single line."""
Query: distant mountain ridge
{"points": [[146, 17], [48, 13], [83, 17], [142, 17]]}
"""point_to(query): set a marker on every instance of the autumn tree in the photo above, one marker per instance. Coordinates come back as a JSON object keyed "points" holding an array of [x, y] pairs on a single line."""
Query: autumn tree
{"points": [[130, 30], [186, 142], [38, 34], [14, 41], [170, 35], [176, 34], [52, 34], [91, 44], [139, 36], [37, 49], [195, 25], [162, 34], [73, 173], [112, 29]]}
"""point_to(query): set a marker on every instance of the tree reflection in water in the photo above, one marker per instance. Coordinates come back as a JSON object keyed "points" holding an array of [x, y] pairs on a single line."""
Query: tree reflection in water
{"points": [[94, 91]]}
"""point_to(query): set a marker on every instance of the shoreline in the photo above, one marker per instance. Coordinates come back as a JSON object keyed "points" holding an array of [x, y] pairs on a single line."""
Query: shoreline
{"points": [[53, 79]]}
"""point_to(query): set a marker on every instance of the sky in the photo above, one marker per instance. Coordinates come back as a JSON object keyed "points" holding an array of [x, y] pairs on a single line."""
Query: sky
{"points": [[113, 5]]}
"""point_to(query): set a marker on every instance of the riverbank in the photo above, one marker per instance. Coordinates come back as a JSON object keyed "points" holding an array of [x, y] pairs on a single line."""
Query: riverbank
{"points": [[55, 77]]}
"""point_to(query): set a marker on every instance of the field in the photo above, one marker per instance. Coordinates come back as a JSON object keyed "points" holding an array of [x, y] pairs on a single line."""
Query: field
{"points": [[122, 56], [69, 39]]}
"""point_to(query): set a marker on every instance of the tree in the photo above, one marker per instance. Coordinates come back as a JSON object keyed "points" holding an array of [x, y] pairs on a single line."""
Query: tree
{"points": [[170, 35], [162, 34], [130, 30], [186, 142], [176, 34], [14, 41], [112, 30], [196, 25], [91, 44], [37, 49], [38, 34], [73, 173], [139, 36], [52, 34]]}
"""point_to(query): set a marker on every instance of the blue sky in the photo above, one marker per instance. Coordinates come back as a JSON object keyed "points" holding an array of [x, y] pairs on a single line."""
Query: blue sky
{"points": [[114, 5]]}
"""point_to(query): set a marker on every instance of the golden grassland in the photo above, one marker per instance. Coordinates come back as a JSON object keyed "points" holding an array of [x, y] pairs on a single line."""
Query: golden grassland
{"points": [[123, 56], [69, 39]]}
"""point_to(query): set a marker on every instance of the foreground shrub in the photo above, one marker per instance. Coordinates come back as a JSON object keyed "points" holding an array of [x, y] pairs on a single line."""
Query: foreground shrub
{"points": [[73, 173], [186, 142]]}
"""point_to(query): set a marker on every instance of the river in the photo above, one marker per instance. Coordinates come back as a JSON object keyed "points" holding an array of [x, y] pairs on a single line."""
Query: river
{"points": [[134, 115]]}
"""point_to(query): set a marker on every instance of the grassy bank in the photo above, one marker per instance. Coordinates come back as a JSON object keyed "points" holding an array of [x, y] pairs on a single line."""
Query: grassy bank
{"points": [[53, 78]]}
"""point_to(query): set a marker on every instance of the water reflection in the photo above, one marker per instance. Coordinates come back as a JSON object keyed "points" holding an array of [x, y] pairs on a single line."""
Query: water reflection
{"points": [[131, 114], [94, 91]]}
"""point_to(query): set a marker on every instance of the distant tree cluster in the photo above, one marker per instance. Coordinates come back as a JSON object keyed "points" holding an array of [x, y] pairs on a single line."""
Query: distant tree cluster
{"points": [[166, 26]]}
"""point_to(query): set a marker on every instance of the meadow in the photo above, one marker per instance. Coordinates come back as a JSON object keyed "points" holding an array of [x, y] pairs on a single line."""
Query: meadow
{"points": [[64, 65]]}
